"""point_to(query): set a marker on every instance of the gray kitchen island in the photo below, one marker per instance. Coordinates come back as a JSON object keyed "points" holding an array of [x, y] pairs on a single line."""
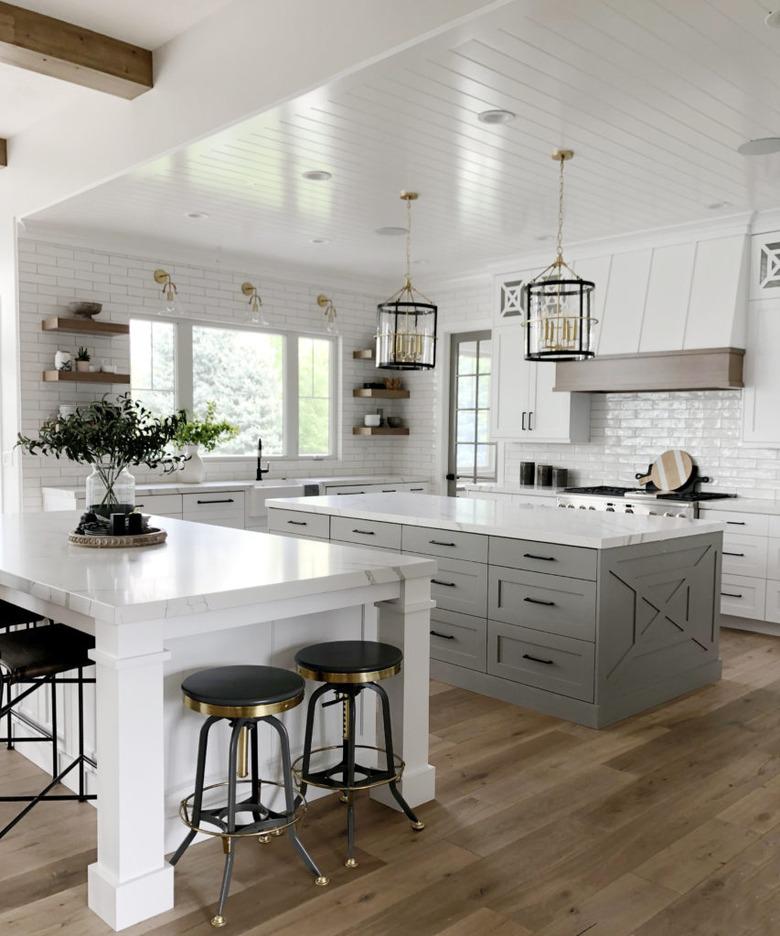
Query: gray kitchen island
{"points": [[590, 617]]}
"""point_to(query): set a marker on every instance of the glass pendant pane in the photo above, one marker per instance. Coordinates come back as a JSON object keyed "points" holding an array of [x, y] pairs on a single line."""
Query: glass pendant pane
{"points": [[406, 335], [559, 326]]}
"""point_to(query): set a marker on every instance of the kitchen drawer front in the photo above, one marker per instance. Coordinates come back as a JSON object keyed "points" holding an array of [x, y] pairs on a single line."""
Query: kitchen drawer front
{"points": [[225, 508], [445, 543], [744, 555], [160, 503], [772, 604], [550, 603], [750, 524], [298, 523], [414, 488], [557, 664], [459, 638], [352, 489], [773, 558], [366, 532], [743, 596], [572, 561], [459, 585]]}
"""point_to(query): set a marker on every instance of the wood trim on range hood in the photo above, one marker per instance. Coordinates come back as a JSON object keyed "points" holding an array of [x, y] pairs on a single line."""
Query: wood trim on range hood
{"points": [[697, 369]]}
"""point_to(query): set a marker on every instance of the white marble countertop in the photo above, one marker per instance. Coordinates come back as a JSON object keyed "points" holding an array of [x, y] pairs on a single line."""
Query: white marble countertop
{"points": [[205, 487], [198, 568], [593, 530]]}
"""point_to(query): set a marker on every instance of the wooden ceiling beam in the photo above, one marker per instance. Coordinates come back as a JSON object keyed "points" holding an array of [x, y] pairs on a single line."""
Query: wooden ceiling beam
{"points": [[53, 47]]}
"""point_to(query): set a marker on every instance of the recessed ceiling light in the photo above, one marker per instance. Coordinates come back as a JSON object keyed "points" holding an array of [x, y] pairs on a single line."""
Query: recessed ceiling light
{"points": [[319, 240], [773, 19], [496, 116], [196, 215], [391, 231], [762, 146], [317, 175], [714, 206]]}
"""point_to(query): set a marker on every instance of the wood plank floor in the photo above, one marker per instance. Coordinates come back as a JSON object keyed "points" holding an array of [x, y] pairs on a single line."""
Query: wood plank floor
{"points": [[667, 824]]}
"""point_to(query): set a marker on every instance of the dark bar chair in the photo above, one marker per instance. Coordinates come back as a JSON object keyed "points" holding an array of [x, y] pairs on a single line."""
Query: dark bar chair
{"points": [[244, 696], [347, 667], [36, 657]]}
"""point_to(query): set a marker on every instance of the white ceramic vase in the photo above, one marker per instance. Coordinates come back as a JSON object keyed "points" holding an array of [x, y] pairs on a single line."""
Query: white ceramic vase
{"points": [[194, 470]]}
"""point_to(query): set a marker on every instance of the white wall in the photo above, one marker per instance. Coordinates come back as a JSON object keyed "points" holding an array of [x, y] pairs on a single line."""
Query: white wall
{"points": [[51, 275]]}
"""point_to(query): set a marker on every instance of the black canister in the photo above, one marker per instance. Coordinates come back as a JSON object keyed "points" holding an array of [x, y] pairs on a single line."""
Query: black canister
{"points": [[527, 473], [544, 475], [560, 477]]}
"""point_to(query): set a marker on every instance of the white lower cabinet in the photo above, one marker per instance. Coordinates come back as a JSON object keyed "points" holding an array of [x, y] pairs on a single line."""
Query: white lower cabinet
{"points": [[459, 639], [742, 596], [223, 509], [772, 603]]}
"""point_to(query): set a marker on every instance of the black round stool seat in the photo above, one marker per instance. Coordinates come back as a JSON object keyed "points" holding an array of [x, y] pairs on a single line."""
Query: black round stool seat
{"points": [[349, 661], [45, 651], [243, 691]]}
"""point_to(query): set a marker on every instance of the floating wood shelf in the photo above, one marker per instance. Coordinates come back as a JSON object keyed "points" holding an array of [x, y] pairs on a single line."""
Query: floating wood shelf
{"points": [[363, 354], [367, 393], [84, 326], [379, 431], [86, 377]]}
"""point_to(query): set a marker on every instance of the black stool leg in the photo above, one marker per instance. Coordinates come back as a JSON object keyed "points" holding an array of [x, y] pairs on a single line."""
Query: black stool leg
{"points": [[9, 722], [81, 733], [200, 774], [309, 735], [257, 790], [417, 825], [289, 797], [54, 751], [349, 732], [230, 855]]}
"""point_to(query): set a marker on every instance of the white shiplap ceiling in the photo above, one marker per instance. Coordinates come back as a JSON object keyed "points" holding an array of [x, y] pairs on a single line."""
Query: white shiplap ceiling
{"points": [[654, 96]]}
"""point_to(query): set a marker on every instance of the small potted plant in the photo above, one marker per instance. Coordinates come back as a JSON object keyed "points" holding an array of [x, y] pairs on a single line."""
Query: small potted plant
{"points": [[110, 437], [194, 434], [82, 359]]}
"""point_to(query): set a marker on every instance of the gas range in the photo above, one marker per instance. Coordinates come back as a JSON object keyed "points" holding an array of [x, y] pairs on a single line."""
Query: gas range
{"points": [[616, 499]]}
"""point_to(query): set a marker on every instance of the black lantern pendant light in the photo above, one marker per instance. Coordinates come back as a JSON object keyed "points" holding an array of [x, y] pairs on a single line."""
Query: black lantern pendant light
{"points": [[558, 303], [406, 323]]}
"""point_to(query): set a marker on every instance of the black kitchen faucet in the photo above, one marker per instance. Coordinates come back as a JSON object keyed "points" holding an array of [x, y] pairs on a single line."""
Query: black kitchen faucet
{"points": [[260, 470]]}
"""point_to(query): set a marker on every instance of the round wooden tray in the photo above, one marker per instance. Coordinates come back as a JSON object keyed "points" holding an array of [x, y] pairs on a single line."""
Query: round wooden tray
{"points": [[151, 538]]}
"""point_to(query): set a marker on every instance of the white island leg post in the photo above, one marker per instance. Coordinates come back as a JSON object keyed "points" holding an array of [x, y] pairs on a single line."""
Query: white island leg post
{"points": [[405, 622], [131, 880]]}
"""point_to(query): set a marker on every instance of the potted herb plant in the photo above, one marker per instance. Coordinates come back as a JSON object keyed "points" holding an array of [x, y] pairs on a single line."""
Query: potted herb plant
{"points": [[82, 359], [110, 436], [194, 434]]}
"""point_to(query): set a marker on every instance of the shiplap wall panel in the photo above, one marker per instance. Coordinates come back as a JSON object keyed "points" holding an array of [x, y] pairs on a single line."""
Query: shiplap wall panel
{"points": [[624, 303], [668, 293], [715, 294]]}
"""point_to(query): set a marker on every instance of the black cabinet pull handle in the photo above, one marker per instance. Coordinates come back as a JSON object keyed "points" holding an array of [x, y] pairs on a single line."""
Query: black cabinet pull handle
{"points": [[530, 425], [735, 523], [444, 636], [542, 558], [729, 595], [522, 424], [139, 505], [439, 582], [415, 489], [298, 522], [549, 604], [226, 500], [347, 493], [440, 543], [740, 555], [527, 656], [389, 490], [365, 532]]}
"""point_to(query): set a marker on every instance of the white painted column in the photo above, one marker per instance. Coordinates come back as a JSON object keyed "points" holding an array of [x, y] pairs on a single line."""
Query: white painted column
{"points": [[131, 880], [405, 622]]}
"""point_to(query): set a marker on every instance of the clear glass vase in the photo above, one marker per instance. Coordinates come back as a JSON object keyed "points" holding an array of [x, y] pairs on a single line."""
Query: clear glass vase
{"points": [[110, 489]]}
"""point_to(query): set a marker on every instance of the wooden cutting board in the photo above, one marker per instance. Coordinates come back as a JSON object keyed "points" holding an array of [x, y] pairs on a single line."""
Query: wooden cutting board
{"points": [[670, 471]]}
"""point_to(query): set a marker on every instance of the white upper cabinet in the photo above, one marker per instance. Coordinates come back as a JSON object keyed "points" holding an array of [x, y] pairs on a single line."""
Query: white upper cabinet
{"points": [[668, 292], [512, 387], [624, 303], [761, 396], [716, 310]]}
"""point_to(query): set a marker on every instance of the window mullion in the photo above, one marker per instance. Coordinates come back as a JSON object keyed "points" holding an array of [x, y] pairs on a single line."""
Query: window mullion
{"points": [[184, 395], [291, 396]]}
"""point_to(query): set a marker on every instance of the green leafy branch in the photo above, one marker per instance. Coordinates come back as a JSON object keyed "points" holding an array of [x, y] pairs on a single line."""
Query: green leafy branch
{"points": [[206, 432]]}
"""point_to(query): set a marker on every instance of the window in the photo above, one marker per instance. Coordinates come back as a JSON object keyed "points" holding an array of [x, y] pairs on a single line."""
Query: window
{"points": [[153, 365], [277, 386], [471, 451]]}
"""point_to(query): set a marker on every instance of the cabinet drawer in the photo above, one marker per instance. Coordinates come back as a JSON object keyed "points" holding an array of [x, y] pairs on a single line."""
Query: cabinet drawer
{"points": [[366, 532], [550, 603], [159, 503], [445, 543], [415, 488], [744, 555], [772, 603], [459, 638], [298, 523], [751, 524], [557, 664], [351, 488], [459, 585], [742, 596], [529, 556], [225, 508]]}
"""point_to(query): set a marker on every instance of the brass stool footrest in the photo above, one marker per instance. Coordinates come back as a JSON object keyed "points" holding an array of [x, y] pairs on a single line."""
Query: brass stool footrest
{"points": [[332, 778], [273, 822]]}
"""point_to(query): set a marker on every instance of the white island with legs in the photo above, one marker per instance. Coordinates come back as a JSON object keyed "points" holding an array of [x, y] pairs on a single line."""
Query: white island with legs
{"points": [[208, 596]]}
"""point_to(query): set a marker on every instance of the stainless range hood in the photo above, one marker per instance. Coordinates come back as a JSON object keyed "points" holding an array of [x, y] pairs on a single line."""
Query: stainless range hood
{"points": [[693, 369]]}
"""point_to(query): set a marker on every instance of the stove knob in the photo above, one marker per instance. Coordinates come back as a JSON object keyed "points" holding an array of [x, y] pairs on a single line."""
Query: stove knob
{"points": [[684, 516], [668, 514], [652, 513], [583, 507], [629, 509], [610, 509], [570, 506], [591, 508], [562, 505]]}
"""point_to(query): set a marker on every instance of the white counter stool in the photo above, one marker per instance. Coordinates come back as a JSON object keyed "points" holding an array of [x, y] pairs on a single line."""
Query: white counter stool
{"points": [[12, 615], [245, 696], [37, 657], [347, 667]]}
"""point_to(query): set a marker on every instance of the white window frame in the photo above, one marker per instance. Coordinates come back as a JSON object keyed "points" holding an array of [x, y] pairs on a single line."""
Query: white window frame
{"points": [[183, 381]]}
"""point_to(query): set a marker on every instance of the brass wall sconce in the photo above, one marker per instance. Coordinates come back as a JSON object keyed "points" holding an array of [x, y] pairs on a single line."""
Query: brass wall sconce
{"points": [[167, 290], [328, 311], [256, 310]]}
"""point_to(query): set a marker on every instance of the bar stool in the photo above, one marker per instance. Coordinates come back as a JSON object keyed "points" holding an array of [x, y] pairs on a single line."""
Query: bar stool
{"points": [[245, 696], [347, 667], [36, 657], [12, 615]]}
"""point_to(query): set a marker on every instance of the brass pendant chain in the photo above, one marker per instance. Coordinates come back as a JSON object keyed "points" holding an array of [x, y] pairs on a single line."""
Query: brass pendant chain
{"points": [[559, 258], [408, 281]]}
